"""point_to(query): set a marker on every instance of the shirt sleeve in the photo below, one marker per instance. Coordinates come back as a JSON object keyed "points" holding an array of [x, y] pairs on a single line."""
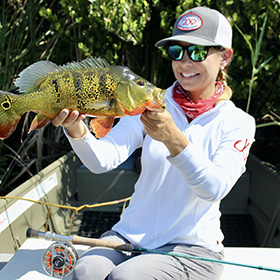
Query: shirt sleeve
{"points": [[105, 154], [212, 178]]}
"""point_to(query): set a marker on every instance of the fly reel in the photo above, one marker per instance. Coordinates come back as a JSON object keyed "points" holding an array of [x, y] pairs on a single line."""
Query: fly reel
{"points": [[60, 259]]}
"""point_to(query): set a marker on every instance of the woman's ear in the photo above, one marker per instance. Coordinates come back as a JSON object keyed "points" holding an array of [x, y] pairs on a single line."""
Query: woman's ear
{"points": [[226, 57]]}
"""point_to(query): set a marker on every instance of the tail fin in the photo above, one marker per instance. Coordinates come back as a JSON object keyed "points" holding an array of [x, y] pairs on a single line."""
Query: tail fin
{"points": [[8, 116]]}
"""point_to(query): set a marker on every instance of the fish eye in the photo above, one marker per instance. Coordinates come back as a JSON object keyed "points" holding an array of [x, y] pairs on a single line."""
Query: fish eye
{"points": [[140, 83]]}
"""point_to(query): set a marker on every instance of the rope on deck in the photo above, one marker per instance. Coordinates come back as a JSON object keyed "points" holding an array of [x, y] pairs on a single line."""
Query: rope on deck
{"points": [[75, 209]]}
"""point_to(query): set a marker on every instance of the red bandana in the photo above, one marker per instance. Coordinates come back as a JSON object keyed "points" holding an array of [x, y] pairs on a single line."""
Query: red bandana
{"points": [[192, 109]]}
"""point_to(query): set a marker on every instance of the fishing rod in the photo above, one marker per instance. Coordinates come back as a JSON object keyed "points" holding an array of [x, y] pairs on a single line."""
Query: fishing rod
{"points": [[60, 258]]}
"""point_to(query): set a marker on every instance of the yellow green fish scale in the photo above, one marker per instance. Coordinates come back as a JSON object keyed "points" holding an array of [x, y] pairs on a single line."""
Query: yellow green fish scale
{"points": [[77, 89]]}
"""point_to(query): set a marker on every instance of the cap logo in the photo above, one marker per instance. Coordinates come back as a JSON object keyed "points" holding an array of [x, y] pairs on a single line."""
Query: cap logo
{"points": [[189, 22]]}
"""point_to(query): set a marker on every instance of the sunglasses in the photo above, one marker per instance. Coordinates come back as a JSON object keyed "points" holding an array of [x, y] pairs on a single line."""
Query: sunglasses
{"points": [[195, 53]]}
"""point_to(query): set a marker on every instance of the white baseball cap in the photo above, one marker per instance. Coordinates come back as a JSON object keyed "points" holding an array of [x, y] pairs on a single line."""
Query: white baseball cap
{"points": [[201, 26]]}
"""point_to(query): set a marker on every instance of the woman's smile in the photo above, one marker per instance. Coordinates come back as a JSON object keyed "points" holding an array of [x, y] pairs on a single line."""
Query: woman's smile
{"points": [[189, 75]]}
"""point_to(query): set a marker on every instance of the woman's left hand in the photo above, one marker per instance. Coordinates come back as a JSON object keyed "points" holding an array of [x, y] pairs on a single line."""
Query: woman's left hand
{"points": [[156, 124], [160, 126]]}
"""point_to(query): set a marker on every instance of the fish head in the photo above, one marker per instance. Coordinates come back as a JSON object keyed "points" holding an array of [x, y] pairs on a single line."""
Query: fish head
{"points": [[135, 94]]}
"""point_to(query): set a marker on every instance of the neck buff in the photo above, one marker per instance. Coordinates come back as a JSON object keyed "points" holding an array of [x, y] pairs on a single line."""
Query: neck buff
{"points": [[192, 109]]}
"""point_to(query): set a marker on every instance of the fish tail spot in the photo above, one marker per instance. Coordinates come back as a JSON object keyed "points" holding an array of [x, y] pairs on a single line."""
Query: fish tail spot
{"points": [[6, 104], [8, 117]]}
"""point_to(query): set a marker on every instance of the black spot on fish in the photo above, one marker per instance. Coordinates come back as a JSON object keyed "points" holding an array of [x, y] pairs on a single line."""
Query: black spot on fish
{"points": [[77, 85], [112, 103], [58, 98], [54, 82], [81, 104], [89, 78], [102, 80]]}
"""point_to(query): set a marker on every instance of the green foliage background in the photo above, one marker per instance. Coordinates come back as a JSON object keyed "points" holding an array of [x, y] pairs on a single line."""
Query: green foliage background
{"points": [[124, 32]]}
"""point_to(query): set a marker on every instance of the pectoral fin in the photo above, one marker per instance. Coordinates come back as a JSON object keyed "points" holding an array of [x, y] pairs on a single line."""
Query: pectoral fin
{"points": [[102, 105], [39, 121], [101, 126]]}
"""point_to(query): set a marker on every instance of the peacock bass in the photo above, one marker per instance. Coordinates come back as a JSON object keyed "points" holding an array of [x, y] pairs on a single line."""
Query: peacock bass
{"points": [[92, 86]]}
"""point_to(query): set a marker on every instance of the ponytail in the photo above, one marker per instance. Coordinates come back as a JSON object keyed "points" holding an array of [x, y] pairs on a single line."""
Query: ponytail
{"points": [[222, 77]]}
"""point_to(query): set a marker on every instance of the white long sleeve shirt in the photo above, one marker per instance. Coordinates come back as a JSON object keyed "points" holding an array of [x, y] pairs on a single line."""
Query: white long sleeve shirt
{"points": [[176, 199]]}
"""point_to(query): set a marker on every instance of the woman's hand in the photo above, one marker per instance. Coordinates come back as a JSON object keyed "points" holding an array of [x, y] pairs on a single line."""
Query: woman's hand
{"points": [[160, 126], [72, 121]]}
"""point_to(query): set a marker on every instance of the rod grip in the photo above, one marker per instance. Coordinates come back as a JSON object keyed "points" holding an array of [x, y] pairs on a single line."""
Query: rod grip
{"points": [[79, 240], [102, 243]]}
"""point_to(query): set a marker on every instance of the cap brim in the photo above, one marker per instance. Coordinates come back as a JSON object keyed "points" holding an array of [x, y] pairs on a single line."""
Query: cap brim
{"points": [[186, 39]]}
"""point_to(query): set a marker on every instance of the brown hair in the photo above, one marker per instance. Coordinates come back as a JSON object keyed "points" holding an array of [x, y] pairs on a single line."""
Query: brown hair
{"points": [[222, 77]]}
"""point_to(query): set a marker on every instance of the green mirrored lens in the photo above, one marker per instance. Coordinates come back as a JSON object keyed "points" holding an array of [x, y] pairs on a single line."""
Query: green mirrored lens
{"points": [[176, 52], [197, 53]]}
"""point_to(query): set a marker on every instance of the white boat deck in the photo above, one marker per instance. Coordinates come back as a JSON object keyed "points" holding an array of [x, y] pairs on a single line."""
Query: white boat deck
{"points": [[26, 263]]}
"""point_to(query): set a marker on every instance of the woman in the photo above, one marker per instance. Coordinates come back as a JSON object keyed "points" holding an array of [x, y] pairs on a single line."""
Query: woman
{"points": [[192, 154]]}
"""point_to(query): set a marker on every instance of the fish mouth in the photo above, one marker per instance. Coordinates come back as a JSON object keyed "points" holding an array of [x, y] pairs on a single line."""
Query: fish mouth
{"points": [[158, 94], [158, 102]]}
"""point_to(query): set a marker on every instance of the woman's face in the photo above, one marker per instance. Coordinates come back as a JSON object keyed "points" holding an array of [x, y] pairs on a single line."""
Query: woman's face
{"points": [[198, 78]]}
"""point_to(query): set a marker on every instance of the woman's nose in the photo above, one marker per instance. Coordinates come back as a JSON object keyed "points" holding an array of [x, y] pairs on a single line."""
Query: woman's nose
{"points": [[186, 59]]}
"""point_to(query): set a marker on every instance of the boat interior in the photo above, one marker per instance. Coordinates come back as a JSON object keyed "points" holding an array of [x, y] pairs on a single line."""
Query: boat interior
{"points": [[68, 199]]}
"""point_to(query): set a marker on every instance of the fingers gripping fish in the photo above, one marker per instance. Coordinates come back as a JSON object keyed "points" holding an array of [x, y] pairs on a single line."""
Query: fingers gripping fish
{"points": [[91, 86]]}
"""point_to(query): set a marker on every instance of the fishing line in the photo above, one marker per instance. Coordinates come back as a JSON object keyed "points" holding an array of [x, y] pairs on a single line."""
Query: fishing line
{"points": [[75, 209], [186, 256], [15, 244], [127, 247]]}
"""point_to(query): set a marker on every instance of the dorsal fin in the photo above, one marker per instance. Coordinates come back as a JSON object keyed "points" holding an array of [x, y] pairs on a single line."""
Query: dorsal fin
{"points": [[96, 62], [33, 73], [29, 77]]}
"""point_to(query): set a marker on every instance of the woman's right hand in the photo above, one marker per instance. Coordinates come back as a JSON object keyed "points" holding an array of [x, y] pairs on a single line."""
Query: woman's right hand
{"points": [[72, 122]]}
